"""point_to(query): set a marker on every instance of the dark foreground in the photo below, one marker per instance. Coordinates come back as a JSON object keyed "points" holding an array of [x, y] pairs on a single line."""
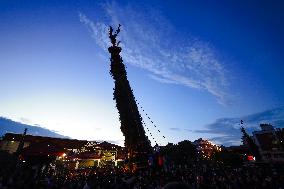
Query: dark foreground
{"points": [[195, 177]]}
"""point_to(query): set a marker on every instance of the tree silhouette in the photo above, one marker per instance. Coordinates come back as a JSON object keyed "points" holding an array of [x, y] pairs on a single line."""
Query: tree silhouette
{"points": [[248, 141], [182, 153]]}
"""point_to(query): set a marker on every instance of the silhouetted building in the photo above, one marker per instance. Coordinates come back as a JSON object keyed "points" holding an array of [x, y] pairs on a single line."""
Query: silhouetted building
{"points": [[11, 141], [81, 153], [269, 142]]}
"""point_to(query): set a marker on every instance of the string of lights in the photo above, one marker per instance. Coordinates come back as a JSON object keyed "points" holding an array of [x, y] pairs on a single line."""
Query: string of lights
{"points": [[150, 120]]}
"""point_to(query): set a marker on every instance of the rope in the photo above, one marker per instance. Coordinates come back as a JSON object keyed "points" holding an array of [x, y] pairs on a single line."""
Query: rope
{"points": [[150, 121]]}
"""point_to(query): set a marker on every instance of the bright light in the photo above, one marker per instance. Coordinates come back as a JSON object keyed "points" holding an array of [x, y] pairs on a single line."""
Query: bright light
{"points": [[250, 158], [63, 155]]}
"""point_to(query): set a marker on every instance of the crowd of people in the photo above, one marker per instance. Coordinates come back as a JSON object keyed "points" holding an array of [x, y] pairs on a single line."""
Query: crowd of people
{"points": [[194, 177]]}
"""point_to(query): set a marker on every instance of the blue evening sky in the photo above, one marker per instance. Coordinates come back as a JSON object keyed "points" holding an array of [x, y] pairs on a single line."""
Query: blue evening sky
{"points": [[189, 64]]}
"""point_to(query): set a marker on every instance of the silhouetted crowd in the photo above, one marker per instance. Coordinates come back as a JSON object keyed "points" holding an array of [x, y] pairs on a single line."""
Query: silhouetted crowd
{"points": [[194, 177]]}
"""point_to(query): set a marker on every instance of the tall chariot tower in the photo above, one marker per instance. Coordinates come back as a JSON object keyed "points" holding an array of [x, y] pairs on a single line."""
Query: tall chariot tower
{"points": [[136, 141]]}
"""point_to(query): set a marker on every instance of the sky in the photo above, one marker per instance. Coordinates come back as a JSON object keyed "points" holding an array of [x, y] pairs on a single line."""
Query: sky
{"points": [[196, 67]]}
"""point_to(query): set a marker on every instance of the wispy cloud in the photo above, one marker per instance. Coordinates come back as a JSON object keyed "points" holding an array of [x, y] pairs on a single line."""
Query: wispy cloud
{"points": [[188, 130], [175, 129], [25, 120], [150, 42], [227, 130], [226, 140]]}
